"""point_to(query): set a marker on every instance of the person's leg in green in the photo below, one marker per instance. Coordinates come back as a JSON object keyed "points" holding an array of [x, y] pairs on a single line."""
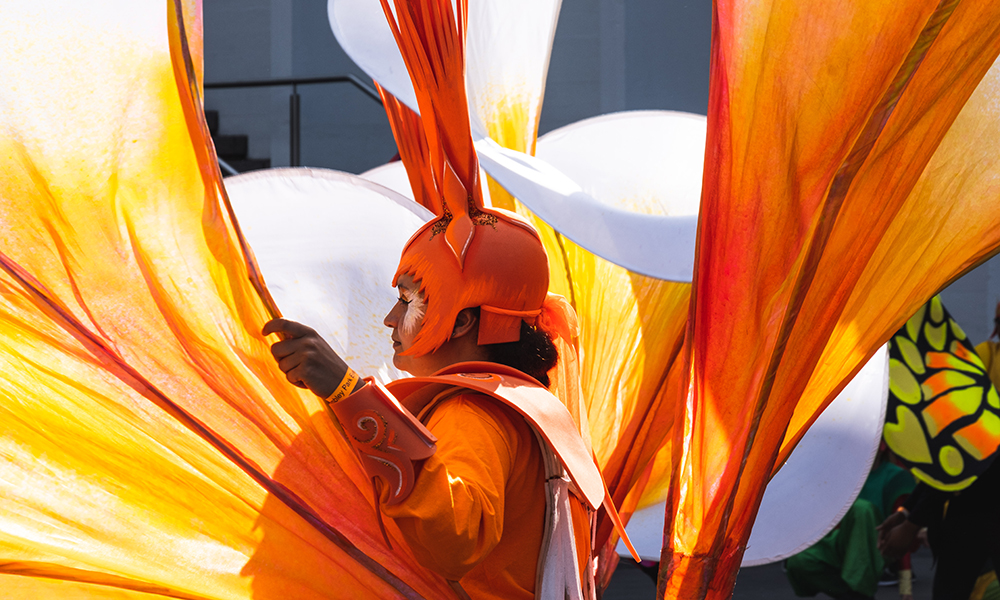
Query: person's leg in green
{"points": [[844, 564]]}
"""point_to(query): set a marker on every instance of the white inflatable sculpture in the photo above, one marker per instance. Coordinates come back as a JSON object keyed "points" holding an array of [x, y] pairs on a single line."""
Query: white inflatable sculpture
{"points": [[328, 244]]}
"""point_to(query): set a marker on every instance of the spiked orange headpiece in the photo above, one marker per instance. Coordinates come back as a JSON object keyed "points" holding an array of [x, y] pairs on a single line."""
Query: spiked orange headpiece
{"points": [[471, 256], [505, 273]]}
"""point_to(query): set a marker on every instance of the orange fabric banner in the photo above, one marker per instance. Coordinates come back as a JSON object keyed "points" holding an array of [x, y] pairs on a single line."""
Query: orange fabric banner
{"points": [[144, 421], [845, 184]]}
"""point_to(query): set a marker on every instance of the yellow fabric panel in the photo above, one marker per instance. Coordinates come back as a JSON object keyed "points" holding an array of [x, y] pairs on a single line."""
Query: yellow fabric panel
{"points": [[655, 491], [631, 330], [20, 587], [145, 422]]}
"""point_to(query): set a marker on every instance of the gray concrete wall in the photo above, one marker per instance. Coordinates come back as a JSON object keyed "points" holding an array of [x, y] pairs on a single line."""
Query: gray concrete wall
{"points": [[972, 300], [608, 55], [342, 128], [612, 55]]}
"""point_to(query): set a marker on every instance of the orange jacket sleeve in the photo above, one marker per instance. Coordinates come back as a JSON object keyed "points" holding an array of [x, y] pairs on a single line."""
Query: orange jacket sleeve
{"points": [[453, 518]]}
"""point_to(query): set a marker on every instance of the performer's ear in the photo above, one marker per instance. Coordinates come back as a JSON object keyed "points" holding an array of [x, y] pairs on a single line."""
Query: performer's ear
{"points": [[466, 322]]}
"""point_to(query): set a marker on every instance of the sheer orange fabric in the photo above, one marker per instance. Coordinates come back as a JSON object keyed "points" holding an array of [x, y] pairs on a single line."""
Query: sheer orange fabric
{"points": [[408, 131], [453, 258], [144, 423], [834, 200], [431, 38]]}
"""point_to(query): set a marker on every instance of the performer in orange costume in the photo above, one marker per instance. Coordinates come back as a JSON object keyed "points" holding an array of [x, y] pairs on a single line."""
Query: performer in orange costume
{"points": [[484, 471], [483, 509]]}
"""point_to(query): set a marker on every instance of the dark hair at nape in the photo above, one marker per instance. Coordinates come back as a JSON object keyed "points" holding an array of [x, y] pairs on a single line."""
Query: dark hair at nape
{"points": [[534, 354]]}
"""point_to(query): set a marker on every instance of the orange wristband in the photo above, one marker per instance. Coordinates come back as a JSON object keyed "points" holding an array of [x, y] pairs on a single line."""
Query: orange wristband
{"points": [[346, 386]]}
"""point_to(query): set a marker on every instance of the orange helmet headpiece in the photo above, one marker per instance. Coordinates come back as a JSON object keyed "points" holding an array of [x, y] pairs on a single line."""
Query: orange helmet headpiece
{"points": [[471, 256], [505, 272]]}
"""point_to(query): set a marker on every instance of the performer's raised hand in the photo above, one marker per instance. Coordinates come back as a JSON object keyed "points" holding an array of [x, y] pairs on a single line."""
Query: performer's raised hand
{"points": [[305, 358], [883, 530]]}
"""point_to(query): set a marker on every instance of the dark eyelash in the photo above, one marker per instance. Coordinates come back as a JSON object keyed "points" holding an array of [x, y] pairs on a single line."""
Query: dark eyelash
{"points": [[404, 301]]}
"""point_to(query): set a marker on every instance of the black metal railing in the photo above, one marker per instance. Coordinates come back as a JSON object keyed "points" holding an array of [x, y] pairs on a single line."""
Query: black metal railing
{"points": [[294, 111]]}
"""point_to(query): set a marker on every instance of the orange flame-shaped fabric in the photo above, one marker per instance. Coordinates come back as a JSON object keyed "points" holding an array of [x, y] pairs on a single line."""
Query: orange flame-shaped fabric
{"points": [[144, 421], [844, 185], [470, 256], [431, 37]]}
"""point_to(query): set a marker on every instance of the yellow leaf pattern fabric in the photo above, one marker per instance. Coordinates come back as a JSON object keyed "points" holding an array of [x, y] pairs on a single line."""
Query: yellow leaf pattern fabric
{"points": [[946, 431]]}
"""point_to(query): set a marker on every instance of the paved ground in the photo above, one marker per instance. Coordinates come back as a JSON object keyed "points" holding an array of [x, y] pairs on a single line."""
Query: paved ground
{"points": [[760, 583]]}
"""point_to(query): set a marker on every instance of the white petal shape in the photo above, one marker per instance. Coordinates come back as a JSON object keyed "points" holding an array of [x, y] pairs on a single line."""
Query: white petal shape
{"points": [[509, 45], [363, 32], [328, 244], [641, 175], [642, 161], [654, 245], [393, 176], [817, 485]]}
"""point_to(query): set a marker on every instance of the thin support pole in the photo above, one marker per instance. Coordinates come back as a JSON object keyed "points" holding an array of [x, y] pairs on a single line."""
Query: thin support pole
{"points": [[294, 158]]}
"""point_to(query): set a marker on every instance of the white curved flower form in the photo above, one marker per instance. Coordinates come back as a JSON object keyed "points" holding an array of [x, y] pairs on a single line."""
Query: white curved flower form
{"points": [[654, 245], [328, 251], [817, 484]]}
